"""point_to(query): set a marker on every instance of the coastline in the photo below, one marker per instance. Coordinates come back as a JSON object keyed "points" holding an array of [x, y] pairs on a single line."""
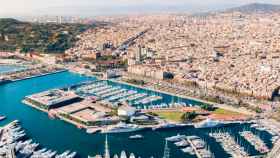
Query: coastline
{"points": [[58, 116], [40, 75]]}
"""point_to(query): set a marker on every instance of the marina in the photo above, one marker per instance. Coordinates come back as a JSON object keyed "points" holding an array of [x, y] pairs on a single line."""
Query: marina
{"points": [[255, 141], [38, 124], [140, 79], [192, 145], [113, 93], [14, 143], [229, 144]]}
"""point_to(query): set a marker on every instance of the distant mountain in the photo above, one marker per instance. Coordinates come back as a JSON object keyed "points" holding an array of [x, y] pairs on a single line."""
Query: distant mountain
{"points": [[256, 7]]}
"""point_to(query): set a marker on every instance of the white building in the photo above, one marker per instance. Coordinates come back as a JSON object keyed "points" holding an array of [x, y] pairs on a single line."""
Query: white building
{"points": [[126, 110]]}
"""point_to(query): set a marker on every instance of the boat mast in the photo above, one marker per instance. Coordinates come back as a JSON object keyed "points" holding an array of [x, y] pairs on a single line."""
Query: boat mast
{"points": [[107, 152], [166, 150]]}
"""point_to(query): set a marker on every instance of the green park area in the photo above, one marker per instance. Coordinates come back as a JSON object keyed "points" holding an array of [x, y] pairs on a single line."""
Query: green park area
{"points": [[175, 116], [224, 112]]}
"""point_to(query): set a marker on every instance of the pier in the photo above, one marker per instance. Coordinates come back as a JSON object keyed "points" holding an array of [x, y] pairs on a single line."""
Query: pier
{"points": [[255, 141], [199, 153], [40, 75], [229, 144]]}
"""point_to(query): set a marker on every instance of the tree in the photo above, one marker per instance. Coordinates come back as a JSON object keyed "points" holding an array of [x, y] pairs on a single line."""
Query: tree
{"points": [[258, 110], [207, 107], [189, 116]]}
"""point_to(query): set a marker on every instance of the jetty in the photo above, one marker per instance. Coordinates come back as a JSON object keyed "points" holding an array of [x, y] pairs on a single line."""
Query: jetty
{"points": [[198, 147], [255, 141], [229, 144]]}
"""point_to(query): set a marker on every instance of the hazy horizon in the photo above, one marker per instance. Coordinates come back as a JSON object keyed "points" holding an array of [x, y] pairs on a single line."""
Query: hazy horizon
{"points": [[114, 7]]}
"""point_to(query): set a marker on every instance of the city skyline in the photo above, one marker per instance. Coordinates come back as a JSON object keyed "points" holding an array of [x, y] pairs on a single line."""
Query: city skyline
{"points": [[115, 7]]}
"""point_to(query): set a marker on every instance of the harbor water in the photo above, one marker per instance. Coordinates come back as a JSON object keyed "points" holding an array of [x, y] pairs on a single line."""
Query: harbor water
{"points": [[59, 135]]}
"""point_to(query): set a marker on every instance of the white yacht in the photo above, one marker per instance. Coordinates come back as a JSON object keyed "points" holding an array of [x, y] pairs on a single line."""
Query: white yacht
{"points": [[123, 154], [176, 138], [123, 128], [138, 136], [182, 143], [209, 123]]}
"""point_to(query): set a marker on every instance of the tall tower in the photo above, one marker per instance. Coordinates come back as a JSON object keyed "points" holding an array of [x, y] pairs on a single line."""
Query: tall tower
{"points": [[139, 54], [107, 152], [166, 153]]}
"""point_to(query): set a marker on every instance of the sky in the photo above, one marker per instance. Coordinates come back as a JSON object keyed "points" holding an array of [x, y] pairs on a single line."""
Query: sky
{"points": [[111, 7]]}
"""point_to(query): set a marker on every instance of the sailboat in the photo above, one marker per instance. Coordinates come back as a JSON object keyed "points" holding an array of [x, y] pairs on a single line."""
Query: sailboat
{"points": [[132, 155], [123, 154], [2, 118]]}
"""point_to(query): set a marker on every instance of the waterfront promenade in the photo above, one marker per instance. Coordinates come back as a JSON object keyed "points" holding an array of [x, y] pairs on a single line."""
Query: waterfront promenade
{"points": [[40, 75], [222, 106]]}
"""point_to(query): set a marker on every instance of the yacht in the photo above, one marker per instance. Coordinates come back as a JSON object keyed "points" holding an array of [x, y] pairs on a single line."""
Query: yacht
{"points": [[209, 123], [72, 155], [182, 143], [132, 155], [123, 128], [138, 136], [63, 155], [198, 143], [188, 150], [123, 154], [42, 150], [2, 118], [176, 138]]}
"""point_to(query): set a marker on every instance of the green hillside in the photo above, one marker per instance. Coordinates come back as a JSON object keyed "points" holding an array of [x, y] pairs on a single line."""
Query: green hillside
{"points": [[45, 38]]}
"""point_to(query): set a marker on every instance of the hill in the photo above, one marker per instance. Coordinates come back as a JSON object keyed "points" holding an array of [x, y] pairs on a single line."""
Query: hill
{"points": [[256, 7], [47, 38]]}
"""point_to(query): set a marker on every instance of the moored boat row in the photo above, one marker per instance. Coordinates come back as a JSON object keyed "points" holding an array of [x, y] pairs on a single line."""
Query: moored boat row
{"points": [[255, 141], [229, 144], [192, 145], [13, 142]]}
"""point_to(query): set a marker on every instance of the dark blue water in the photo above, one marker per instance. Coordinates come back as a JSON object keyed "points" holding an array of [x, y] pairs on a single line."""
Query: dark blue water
{"points": [[61, 136]]}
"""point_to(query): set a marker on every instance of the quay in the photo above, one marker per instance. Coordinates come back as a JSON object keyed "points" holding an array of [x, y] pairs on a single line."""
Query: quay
{"points": [[222, 106], [54, 114], [197, 153], [40, 75], [194, 148]]}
